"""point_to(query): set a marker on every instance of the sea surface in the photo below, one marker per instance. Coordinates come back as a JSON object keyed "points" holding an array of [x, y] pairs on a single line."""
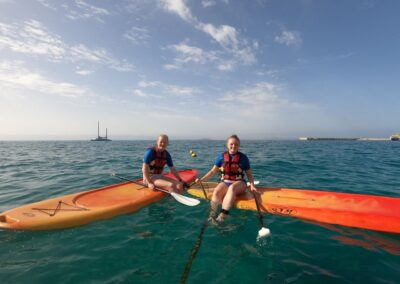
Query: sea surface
{"points": [[157, 243]]}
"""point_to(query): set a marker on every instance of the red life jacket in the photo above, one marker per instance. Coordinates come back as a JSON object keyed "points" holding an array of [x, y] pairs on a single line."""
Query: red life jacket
{"points": [[230, 169], [157, 165]]}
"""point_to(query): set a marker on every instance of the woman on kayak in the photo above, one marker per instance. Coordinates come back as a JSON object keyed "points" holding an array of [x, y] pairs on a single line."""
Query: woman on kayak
{"points": [[233, 165], [154, 160]]}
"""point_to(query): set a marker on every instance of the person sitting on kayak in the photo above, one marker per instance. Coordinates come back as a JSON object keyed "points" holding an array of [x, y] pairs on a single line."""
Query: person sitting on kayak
{"points": [[233, 165], [154, 160]]}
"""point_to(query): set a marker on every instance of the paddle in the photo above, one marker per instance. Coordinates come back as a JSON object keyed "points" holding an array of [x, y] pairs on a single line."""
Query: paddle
{"points": [[178, 197], [255, 182], [264, 231]]}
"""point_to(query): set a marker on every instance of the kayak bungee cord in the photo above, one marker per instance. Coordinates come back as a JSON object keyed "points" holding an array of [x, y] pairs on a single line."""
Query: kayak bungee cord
{"points": [[58, 208]]}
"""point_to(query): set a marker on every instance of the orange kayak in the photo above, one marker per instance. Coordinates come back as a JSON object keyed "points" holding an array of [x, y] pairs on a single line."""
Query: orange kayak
{"points": [[372, 212], [84, 207]]}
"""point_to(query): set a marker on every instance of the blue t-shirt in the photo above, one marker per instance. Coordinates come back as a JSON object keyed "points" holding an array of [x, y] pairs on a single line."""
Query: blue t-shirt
{"points": [[244, 162], [150, 155]]}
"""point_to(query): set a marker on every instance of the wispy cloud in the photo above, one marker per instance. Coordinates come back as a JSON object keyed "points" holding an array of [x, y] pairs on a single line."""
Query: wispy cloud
{"points": [[81, 10], [143, 94], [137, 35], [208, 3], [157, 89], [101, 56], [190, 54], [289, 38], [13, 75], [77, 9], [47, 4], [260, 99], [226, 36], [260, 93], [33, 38]]}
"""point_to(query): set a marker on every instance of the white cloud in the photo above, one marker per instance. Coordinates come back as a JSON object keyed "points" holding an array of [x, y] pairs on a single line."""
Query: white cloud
{"points": [[181, 91], [260, 99], [33, 38], [13, 75], [160, 89], [84, 72], [260, 93], [226, 36], [83, 10], [143, 94], [188, 53], [47, 4], [137, 35], [208, 3], [146, 84], [179, 7], [289, 38], [101, 56], [226, 66], [171, 67]]}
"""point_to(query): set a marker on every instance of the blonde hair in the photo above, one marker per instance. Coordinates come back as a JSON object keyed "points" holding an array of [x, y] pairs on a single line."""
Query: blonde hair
{"points": [[233, 136], [165, 136]]}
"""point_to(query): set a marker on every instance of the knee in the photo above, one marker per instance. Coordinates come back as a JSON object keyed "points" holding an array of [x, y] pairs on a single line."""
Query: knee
{"points": [[179, 186]]}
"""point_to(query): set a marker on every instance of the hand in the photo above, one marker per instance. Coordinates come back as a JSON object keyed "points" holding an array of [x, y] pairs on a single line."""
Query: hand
{"points": [[253, 188], [151, 186], [198, 180]]}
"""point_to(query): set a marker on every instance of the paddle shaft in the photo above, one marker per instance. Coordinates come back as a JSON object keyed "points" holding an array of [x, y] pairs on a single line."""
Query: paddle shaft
{"points": [[260, 216], [142, 184], [204, 191]]}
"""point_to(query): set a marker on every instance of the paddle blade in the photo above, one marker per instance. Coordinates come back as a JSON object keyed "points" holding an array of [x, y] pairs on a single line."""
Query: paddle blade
{"points": [[185, 200], [264, 232]]}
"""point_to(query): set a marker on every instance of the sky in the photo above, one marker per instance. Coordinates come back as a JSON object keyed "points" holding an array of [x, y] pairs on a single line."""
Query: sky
{"points": [[199, 69]]}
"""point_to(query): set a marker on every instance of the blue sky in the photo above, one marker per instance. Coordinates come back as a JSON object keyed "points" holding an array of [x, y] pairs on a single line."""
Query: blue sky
{"points": [[263, 69]]}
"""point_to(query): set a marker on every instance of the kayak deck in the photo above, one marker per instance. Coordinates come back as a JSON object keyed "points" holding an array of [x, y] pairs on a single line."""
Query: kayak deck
{"points": [[84, 207], [379, 213]]}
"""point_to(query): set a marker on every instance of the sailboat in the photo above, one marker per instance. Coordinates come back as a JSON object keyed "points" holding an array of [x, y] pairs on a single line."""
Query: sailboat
{"points": [[100, 138]]}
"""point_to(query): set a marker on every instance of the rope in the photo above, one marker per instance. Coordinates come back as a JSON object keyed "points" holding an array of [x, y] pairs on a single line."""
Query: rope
{"points": [[193, 253], [196, 246]]}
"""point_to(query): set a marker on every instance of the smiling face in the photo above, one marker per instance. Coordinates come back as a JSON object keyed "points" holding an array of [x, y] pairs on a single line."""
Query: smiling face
{"points": [[233, 145], [162, 143]]}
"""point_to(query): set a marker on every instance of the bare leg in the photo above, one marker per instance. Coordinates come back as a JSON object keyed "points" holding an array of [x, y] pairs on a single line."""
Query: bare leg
{"points": [[216, 199], [236, 188], [167, 183]]}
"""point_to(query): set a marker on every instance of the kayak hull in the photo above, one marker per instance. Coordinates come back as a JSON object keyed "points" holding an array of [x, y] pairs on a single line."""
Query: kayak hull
{"points": [[84, 207], [372, 212]]}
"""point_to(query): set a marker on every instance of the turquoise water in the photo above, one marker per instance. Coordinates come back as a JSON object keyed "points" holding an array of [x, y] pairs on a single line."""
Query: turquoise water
{"points": [[154, 244]]}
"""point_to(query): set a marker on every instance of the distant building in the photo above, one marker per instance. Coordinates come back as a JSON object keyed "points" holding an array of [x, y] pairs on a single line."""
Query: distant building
{"points": [[395, 137]]}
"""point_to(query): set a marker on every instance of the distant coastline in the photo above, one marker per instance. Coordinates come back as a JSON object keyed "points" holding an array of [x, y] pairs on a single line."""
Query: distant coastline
{"points": [[345, 139]]}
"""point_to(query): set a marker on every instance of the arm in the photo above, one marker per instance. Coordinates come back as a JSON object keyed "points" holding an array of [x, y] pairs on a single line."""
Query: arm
{"points": [[175, 173], [210, 174], [249, 175]]}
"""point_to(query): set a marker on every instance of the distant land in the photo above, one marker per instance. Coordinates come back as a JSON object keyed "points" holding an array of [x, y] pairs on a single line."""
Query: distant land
{"points": [[394, 137]]}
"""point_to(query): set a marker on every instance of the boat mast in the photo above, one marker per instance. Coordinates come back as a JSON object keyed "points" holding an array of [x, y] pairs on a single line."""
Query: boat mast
{"points": [[98, 129]]}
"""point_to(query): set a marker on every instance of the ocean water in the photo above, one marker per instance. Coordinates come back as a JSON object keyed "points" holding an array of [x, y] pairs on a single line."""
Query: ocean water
{"points": [[154, 244]]}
